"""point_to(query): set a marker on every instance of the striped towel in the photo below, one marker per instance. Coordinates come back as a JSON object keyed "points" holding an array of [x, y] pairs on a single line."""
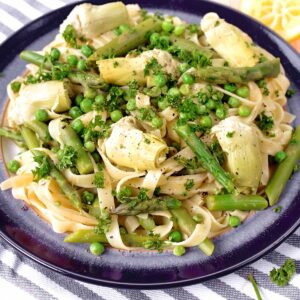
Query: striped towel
{"points": [[21, 278]]}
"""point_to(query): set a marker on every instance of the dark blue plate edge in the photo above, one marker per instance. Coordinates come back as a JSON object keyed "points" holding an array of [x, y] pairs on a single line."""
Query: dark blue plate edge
{"points": [[5, 47]]}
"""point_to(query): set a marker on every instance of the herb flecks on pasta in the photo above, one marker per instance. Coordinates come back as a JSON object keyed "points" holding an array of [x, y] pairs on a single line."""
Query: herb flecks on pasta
{"points": [[141, 130]]}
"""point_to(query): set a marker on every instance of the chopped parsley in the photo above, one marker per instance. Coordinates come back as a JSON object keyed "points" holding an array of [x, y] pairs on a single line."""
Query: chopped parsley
{"points": [[277, 209], [71, 36], [283, 275], [115, 64], [99, 179], [115, 98], [154, 243], [189, 184], [264, 123], [104, 223], [263, 85], [290, 93], [230, 134], [152, 67], [188, 163], [124, 193], [217, 152], [142, 195], [66, 157], [96, 129], [43, 168]]}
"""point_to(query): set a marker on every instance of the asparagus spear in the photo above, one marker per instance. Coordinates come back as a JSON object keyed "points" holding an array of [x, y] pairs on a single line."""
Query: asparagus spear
{"points": [[86, 79], [233, 202], [190, 46], [29, 137], [207, 247], [146, 206], [222, 75], [204, 156], [62, 182], [147, 224], [184, 220], [283, 172], [40, 128], [12, 135], [70, 138], [89, 236], [127, 41]]}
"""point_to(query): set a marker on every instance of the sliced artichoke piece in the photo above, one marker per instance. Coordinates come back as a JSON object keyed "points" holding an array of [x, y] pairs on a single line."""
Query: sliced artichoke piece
{"points": [[93, 20], [52, 95], [129, 147], [240, 143], [229, 42]]}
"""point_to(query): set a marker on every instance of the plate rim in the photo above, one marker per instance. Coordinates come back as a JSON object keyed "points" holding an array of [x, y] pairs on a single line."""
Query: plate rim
{"points": [[130, 285]]}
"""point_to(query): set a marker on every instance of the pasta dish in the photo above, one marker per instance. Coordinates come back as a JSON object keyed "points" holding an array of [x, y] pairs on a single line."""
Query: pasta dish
{"points": [[139, 130]]}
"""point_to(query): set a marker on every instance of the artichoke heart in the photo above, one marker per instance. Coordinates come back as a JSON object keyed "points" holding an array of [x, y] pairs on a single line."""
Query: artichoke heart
{"points": [[52, 95], [122, 70], [93, 20], [240, 143], [229, 42], [130, 147]]}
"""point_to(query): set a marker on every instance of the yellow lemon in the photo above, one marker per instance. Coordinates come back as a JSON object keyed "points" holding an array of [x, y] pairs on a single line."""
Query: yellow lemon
{"points": [[283, 16]]}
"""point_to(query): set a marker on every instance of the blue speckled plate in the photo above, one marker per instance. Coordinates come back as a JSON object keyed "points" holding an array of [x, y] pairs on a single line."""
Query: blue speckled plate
{"points": [[258, 235]]}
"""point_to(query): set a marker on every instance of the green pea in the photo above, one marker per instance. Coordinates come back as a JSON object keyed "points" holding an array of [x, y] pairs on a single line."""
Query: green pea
{"points": [[234, 102], [100, 100], [86, 105], [234, 221], [280, 156], [179, 30], [41, 115], [244, 111], [167, 26], [72, 60], [75, 112], [90, 93], [157, 122], [179, 250], [163, 103], [201, 109], [184, 89], [211, 104], [88, 197], [78, 99], [175, 236], [13, 166], [183, 67], [131, 104], [15, 86], [206, 121], [97, 248], [184, 115], [188, 78], [77, 125], [154, 38], [55, 54], [116, 115], [220, 113], [81, 65], [160, 80], [123, 28], [117, 31], [230, 87], [86, 50], [243, 92], [89, 146], [174, 92]]}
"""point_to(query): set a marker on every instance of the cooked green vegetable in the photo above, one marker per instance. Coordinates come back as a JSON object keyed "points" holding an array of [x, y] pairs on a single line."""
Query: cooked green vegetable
{"points": [[184, 220], [41, 129], [283, 275], [12, 135], [204, 156], [127, 41], [97, 248], [233, 202], [133, 208], [284, 170], [29, 138], [222, 75], [207, 247], [62, 182]]}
